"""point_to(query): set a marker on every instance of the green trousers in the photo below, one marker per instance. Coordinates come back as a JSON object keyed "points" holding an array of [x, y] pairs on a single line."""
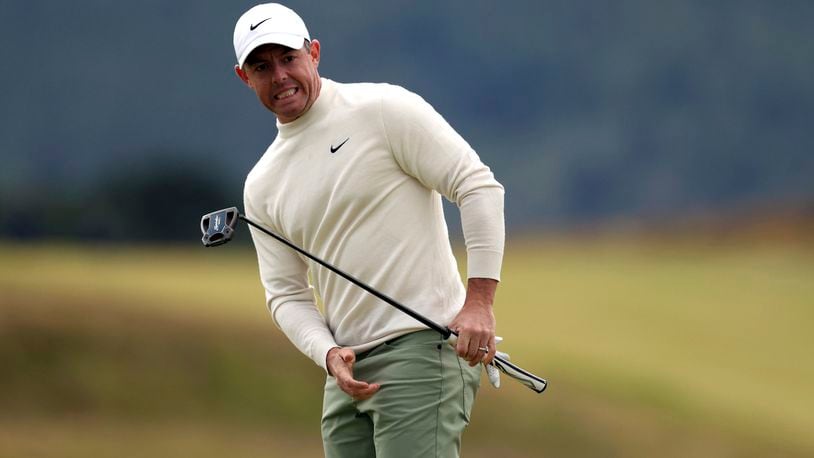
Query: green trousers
{"points": [[421, 409]]}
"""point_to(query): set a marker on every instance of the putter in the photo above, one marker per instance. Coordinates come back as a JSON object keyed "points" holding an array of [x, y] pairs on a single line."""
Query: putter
{"points": [[219, 227]]}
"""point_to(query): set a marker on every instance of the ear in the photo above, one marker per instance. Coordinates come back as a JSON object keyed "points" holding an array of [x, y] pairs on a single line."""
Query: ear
{"points": [[315, 52], [242, 75]]}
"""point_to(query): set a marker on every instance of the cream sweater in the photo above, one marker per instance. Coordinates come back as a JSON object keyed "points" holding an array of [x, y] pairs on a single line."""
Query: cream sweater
{"points": [[357, 181]]}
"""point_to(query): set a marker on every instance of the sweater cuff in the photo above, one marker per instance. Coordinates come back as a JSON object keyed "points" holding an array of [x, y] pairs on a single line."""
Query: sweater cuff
{"points": [[321, 354], [484, 264]]}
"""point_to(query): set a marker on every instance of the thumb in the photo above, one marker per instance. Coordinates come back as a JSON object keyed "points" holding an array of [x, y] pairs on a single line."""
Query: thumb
{"points": [[349, 357]]}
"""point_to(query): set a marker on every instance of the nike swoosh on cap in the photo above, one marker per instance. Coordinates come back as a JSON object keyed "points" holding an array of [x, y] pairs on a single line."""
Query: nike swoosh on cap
{"points": [[254, 26]]}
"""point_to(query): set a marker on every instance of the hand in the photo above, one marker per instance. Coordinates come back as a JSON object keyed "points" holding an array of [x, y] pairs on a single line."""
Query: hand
{"points": [[340, 364], [475, 323]]}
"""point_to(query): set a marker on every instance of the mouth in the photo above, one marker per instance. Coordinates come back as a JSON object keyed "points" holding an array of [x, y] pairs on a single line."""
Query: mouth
{"points": [[286, 94]]}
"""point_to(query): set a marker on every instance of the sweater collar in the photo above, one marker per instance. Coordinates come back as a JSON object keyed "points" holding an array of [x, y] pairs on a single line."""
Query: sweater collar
{"points": [[318, 110]]}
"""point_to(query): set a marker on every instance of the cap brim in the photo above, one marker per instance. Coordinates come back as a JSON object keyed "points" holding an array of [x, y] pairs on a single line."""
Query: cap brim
{"points": [[285, 39]]}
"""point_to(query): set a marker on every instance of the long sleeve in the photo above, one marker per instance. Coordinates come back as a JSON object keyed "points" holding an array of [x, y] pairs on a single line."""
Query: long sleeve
{"points": [[428, 148], [289, 296]]}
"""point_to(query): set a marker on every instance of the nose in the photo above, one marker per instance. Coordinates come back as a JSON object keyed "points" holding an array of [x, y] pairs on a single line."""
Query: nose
{"points": [[278, 75]]}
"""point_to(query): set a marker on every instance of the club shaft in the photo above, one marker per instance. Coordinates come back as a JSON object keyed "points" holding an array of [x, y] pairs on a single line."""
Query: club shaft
{"points": [[443, 330]]}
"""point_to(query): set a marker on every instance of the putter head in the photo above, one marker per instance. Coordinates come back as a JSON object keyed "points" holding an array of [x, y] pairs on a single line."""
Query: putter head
{"points": [[218, 227]]}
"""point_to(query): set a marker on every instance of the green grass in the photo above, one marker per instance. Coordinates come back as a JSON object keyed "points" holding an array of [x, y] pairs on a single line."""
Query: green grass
{"points": [[663, 348], [719, 331]]}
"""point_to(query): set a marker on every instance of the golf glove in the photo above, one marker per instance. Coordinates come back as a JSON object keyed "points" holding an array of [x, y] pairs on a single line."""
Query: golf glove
{"points": [[491, 370]]}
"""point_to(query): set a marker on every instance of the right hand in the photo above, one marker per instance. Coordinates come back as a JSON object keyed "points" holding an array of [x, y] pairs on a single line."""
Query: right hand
{"points": [[340, 364]]}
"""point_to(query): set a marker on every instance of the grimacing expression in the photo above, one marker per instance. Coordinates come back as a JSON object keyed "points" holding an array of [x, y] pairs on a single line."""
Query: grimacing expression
{"points": [[285, 80]]}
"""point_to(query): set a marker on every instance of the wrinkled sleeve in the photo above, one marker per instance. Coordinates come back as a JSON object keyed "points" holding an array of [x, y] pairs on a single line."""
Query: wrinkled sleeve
{"points": [[429, 149], [289, 295]]}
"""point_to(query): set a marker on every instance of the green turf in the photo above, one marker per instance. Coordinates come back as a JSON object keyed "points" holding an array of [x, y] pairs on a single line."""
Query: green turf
{"points": [[653, 348]]}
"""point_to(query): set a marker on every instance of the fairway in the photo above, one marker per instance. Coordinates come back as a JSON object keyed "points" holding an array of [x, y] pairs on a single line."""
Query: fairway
{"points": [[664, 348]]}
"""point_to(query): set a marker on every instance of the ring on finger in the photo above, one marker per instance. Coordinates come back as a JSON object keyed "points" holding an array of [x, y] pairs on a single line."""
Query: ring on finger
{"points": [[484, 349]]}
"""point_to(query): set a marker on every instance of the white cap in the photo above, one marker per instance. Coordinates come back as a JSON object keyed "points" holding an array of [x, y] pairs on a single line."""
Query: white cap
{"points": [[268, 23]]}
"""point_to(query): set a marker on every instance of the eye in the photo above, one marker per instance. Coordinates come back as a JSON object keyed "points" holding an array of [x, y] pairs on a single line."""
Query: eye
{"points": [[289, 58], [260, 67]]}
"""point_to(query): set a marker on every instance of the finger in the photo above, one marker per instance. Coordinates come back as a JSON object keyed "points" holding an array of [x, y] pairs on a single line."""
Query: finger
{"points": [[366, 393], [475, 360], [474, 353], [349, 357], [352, 386], [492, 350], [358, 389], [349, 384], [462, 347], [486, 353]]}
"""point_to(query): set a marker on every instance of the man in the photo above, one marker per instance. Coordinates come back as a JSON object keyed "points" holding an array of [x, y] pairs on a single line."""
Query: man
{"points": [[355, 176]]}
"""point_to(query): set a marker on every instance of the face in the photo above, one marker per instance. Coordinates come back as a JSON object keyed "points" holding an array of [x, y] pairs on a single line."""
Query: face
{"points": [[285, 80]]}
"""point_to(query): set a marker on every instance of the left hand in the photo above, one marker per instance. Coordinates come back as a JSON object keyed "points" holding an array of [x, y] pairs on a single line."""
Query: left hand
{"points": [[475, 323]]}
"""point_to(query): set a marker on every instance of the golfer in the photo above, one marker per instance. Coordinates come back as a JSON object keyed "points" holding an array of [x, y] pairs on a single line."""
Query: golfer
{"points": [[355, 176]]}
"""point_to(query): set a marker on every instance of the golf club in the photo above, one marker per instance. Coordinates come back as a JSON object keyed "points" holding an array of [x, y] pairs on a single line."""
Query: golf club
{"points": [[218, 228]]}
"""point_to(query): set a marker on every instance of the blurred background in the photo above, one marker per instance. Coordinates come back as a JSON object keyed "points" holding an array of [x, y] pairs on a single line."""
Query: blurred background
{"points": [[658, 159]]}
